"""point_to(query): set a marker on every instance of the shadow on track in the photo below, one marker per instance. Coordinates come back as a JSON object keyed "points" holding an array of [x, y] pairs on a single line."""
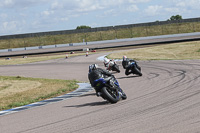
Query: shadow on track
{"points": [[128, 77], [113, 72], [90, 94], [89, 104]]}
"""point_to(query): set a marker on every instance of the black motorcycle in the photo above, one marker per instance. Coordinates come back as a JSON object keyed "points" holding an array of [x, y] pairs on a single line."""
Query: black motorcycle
{"points": [[110, 90]]}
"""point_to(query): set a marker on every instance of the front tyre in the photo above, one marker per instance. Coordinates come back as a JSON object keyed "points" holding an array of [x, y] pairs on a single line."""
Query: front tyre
{"points": [[112, 96], [137, 71], [116, 68], [124, 96]]}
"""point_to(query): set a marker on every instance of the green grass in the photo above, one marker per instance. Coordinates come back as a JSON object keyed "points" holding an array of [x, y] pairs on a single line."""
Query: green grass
{"points": [[101, 35], [19, 91]]}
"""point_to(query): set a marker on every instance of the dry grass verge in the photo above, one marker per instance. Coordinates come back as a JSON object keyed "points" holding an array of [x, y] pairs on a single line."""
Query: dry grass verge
{"points": [[19, 91], [177, 51], [31, 59]]}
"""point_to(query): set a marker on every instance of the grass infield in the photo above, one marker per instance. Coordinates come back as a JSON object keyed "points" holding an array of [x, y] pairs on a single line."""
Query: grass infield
{"points": [[19, 91], [176, 51]]}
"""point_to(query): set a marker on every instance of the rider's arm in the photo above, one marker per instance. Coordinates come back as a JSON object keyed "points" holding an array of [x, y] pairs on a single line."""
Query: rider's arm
{"points": [[132, 60], [105, 72]]}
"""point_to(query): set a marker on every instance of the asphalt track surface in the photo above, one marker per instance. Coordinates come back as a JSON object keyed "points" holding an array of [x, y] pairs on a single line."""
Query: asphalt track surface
{"points": [[164, 100]]}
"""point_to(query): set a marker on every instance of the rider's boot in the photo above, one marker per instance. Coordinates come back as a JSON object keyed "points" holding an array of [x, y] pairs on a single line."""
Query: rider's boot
{"points": [[98, 94]]}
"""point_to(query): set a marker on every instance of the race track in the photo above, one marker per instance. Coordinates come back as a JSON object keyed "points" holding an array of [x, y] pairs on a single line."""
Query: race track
{"points": [[166, 99]]}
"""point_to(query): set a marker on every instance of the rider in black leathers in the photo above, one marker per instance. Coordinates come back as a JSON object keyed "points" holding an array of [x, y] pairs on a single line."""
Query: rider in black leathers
{"points": [[126, 62], [97, 73]]}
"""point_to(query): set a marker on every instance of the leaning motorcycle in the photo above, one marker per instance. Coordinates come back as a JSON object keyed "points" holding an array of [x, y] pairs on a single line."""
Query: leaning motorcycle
{"points": [[135, 69], [109, 88], [112, 66]]}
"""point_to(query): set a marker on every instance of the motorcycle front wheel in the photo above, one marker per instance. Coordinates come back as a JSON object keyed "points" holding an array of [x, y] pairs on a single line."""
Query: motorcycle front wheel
{"points": [[137, 71], [112, 96], [116, 68]]}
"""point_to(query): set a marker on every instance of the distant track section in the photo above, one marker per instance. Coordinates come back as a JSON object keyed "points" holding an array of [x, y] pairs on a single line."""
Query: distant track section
{"points": [[141, 41]]}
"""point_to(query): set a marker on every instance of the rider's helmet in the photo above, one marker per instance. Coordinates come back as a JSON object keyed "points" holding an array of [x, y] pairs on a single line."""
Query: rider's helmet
{"points": [[124, 58], [93, 67]]}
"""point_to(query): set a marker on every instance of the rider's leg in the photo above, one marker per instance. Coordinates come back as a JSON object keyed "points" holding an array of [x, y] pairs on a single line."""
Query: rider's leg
{"points": [[127, 72], [98, 93]]}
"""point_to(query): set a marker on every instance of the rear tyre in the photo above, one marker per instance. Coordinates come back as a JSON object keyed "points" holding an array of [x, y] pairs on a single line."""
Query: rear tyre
{"points": [[112, 96]]}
